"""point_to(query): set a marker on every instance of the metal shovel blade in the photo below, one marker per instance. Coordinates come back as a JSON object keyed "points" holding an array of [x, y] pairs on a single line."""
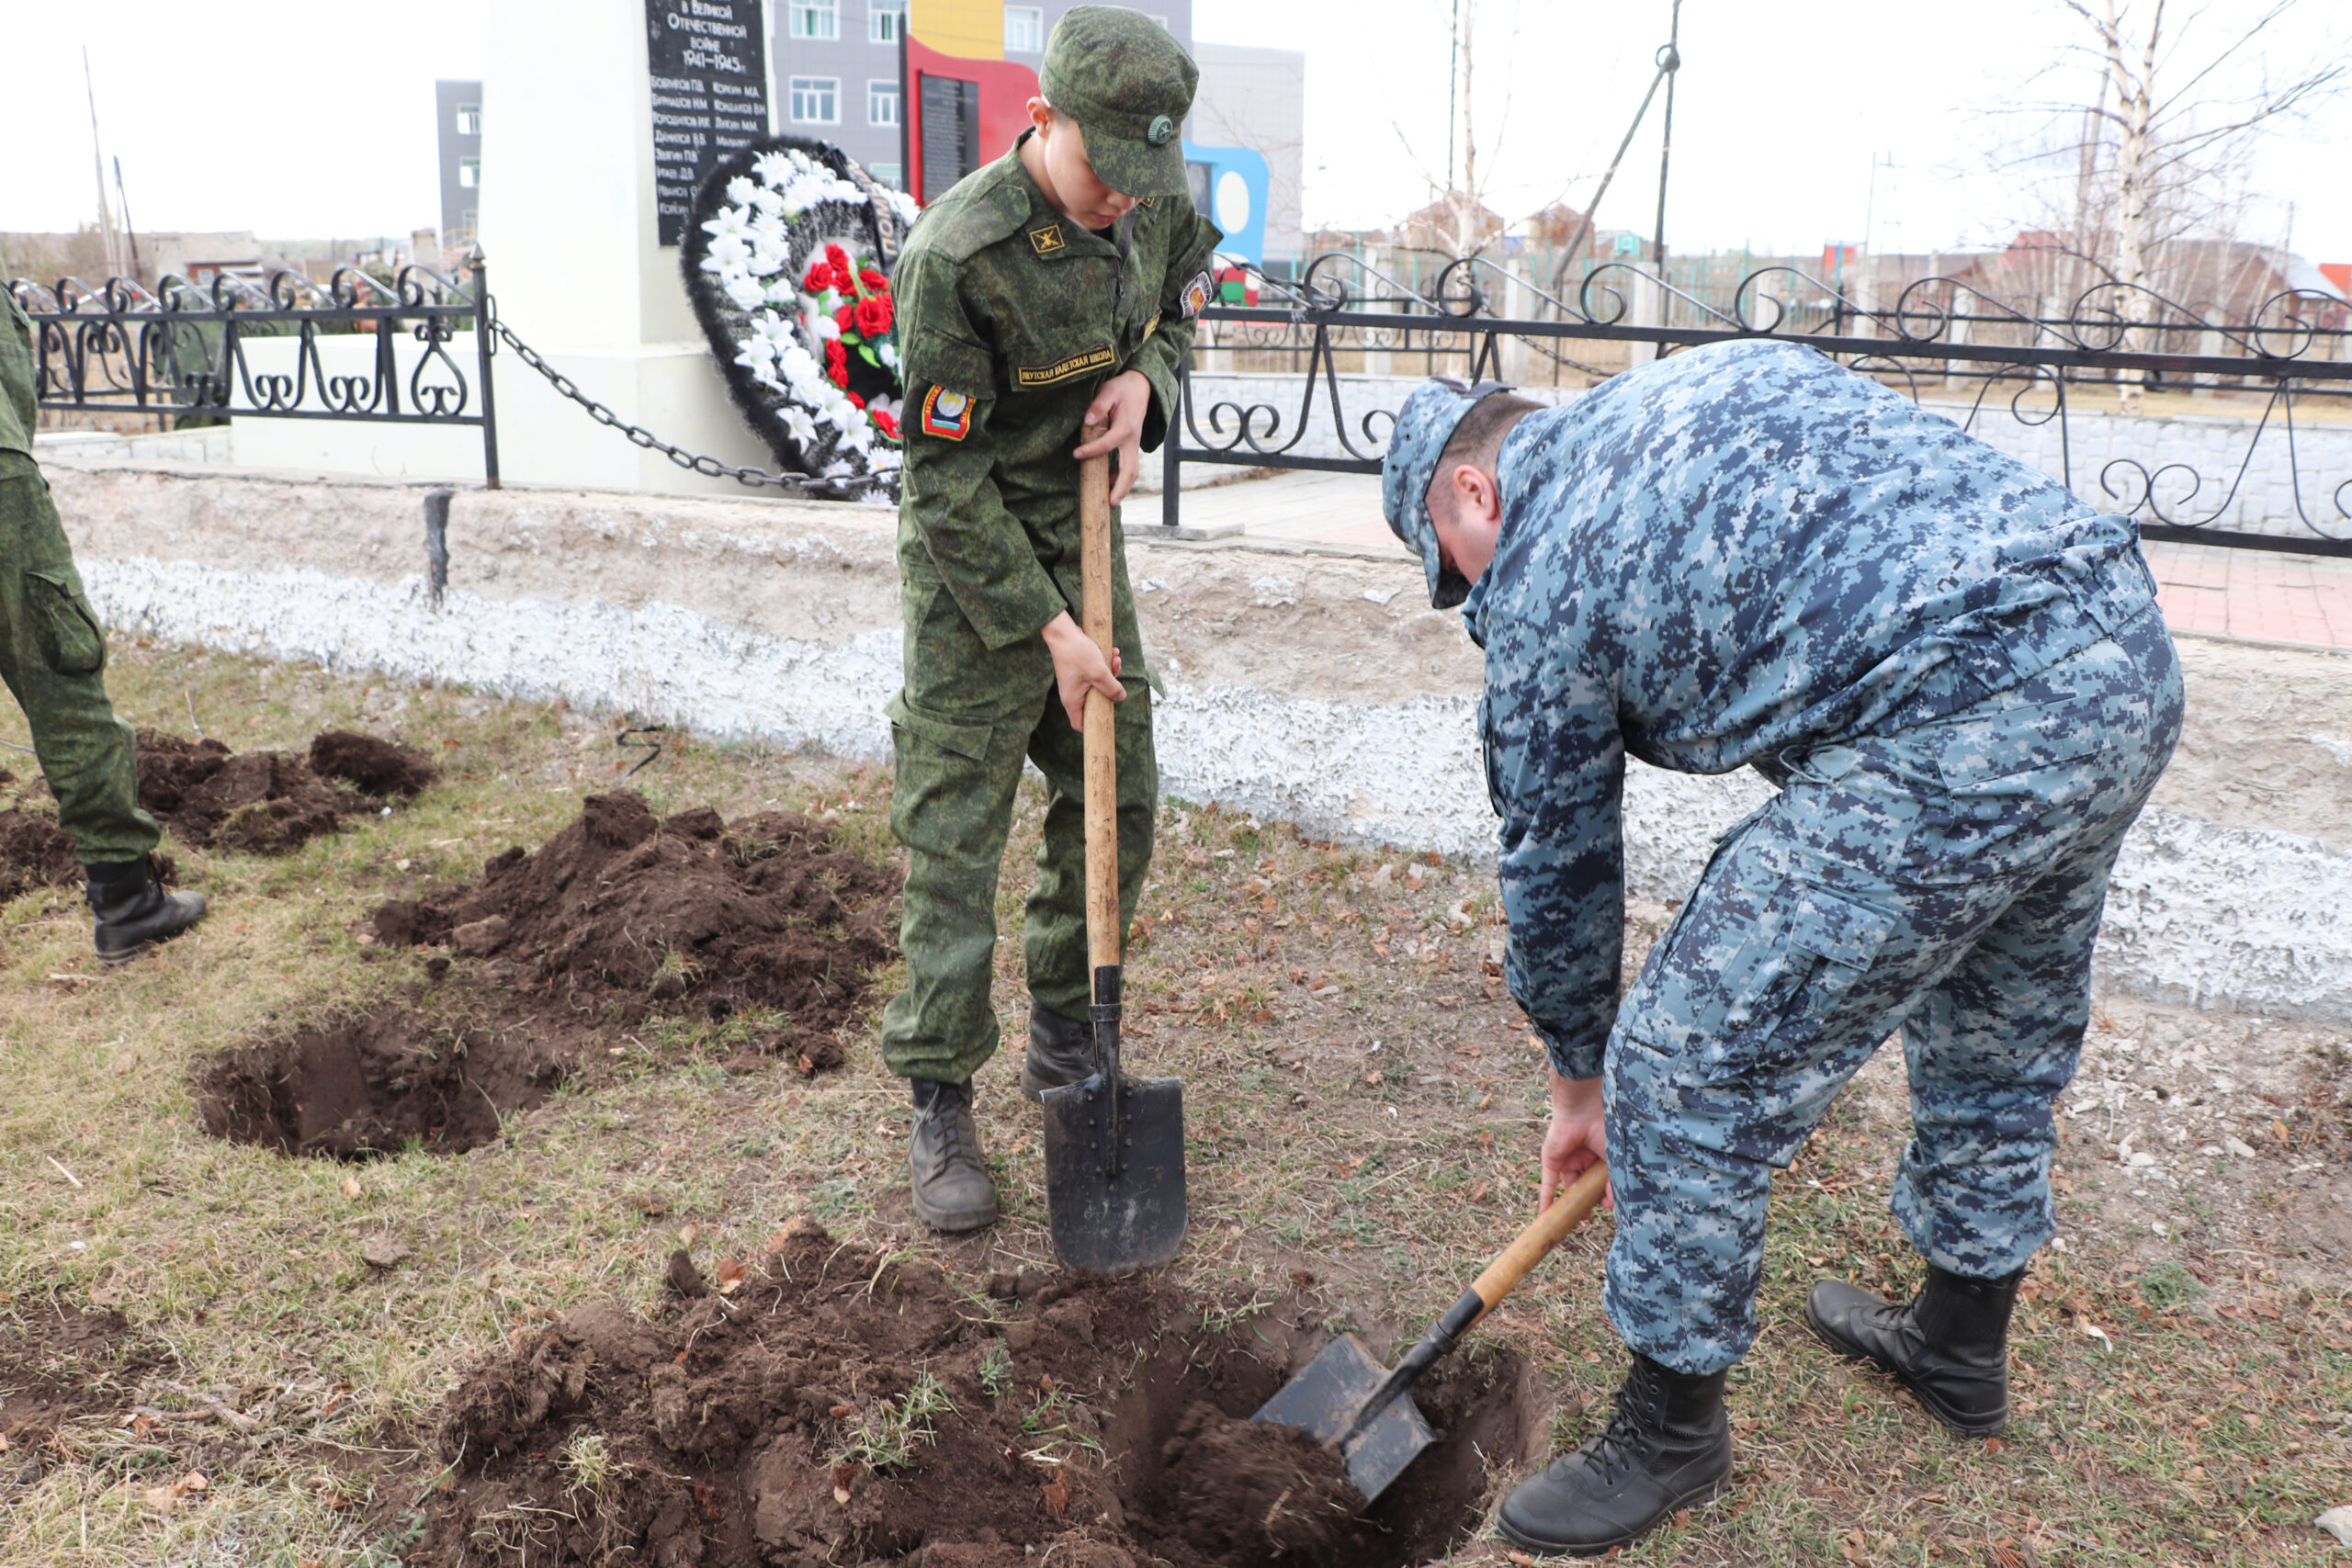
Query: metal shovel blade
{"points": [[1324, 1400], [1115, 1213]]}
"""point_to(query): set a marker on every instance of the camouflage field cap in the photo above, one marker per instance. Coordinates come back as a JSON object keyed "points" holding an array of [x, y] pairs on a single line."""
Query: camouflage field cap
{"points": [[1424, 425], [1129, 84]]}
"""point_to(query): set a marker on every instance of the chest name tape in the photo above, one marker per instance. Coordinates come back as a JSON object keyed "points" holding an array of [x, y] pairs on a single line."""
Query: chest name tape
{"points": [[1062, 371]]}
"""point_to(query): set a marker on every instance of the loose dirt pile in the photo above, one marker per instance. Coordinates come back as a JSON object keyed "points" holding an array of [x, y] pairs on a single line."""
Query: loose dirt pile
{"points": [[620, 917], [34, 852], [839, 1408], [623, 910], [271, 802]]}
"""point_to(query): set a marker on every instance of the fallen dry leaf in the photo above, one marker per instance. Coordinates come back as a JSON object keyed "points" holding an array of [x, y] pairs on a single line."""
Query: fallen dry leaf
{"points": [[688, 1233], [1057, 1493], [730, 1276], [1478, 1191], [383, 1252], [351, 1188]]}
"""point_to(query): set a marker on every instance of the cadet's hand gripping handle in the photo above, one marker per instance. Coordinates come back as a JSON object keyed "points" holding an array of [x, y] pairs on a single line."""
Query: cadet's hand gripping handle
{"points": [[1103, 933]]}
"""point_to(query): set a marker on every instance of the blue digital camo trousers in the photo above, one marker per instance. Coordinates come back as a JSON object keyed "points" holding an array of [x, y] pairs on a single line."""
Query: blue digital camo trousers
{"points": [[1944, 877]]}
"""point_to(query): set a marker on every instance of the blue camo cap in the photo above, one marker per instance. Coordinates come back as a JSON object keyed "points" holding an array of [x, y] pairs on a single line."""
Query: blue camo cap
{"points": [[1424, 425]]}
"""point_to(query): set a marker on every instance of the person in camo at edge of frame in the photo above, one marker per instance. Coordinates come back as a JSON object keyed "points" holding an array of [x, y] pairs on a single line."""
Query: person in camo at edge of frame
{"points": [[54, 657], [1958, 678], [1052, 289]]}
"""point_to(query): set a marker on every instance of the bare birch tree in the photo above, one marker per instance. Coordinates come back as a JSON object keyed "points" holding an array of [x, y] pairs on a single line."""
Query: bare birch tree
{"points": [[2148, 147]]}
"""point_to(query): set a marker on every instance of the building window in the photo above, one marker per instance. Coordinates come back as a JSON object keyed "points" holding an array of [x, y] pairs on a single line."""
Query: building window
{"points": [[886, 174], [470, 120], [816, 19], [885, 20], [882, 101], [1025, 30], [470, 172], [815, 99]]}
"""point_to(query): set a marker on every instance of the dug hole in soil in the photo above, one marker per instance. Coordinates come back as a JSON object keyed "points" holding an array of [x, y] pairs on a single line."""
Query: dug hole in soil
{"points": [[835, 1408], [619, 917]]}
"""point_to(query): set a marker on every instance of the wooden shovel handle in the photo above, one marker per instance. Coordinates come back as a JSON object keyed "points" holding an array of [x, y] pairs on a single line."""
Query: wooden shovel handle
{"points": [[1570, 1207], [1101, 750]]}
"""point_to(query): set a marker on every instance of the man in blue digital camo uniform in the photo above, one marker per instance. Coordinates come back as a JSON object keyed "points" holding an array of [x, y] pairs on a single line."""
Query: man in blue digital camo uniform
{"points": [[1956, 673], [54, 658]]}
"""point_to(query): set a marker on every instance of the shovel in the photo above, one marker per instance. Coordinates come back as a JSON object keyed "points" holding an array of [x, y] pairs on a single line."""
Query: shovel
{"points": [[1345, 1401], [1114, 1146]]}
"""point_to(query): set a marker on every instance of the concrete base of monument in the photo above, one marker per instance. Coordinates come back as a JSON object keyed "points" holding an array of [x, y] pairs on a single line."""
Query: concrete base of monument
{"points": [[1317, 689]]}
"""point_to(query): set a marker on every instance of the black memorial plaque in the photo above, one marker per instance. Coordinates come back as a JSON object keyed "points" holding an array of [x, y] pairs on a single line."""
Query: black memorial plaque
{"points": [[709, 63]]}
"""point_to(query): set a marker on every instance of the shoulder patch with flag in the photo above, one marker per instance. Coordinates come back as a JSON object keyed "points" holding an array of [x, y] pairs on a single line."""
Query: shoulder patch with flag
{"points": [[1196, 294], [946, 414]]}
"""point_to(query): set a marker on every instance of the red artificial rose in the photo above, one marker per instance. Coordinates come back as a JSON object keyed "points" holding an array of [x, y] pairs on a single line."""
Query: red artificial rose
{"points": [[873, 316], [846, 318], [840, 258], [875, 281], [855, 402], [889, 426], [819, 278], [837, 363]]}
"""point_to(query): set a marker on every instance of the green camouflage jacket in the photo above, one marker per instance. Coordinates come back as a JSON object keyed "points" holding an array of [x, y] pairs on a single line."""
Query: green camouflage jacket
{"points": [[1010, 317], [17, 415]]}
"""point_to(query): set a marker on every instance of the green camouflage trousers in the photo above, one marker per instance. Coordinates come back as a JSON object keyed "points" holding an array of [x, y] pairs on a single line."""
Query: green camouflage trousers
{"points": [[960, 729], [52, 655]]}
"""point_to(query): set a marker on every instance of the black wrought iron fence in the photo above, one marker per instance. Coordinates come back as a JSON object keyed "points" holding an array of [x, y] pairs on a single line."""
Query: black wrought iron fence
{"points": [[1315, 368], [187, 352]]}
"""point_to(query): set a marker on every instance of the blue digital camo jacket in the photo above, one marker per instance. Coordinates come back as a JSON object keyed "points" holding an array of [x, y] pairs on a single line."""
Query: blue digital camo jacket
{"points": [[1738, 552]]}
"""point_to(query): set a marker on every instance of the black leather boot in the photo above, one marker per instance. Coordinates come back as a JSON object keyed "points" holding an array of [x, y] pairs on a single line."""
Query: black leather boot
{"points": [[133, 914], [1950, 1345], [951, 1178], [1061, 1051], [1669, 1445]]}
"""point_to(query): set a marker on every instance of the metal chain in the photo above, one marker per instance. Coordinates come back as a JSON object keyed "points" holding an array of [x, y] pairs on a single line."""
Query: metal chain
{"points": [[839, 489]]}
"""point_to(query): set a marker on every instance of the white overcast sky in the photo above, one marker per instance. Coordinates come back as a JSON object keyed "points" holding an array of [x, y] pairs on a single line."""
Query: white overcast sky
{"points": [[325, 127]]}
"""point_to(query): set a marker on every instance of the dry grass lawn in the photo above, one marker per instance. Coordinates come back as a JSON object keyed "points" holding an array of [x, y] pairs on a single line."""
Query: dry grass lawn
{"points": [[1363, 1109]]}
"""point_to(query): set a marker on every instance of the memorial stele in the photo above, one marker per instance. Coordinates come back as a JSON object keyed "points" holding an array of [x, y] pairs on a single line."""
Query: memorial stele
{"points": [[579, 226]]}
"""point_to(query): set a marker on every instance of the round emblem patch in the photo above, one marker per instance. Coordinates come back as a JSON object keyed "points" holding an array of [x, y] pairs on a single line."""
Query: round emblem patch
{"points": [[1161, 132]]}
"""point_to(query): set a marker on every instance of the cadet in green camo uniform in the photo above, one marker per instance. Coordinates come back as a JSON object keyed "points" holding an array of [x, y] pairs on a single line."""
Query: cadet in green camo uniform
{"points": [[51, 656], [1052, 289]]}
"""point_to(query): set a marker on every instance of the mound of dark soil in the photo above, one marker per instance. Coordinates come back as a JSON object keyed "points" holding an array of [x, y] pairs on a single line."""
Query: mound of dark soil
{"points": [[839, 1408], [623, 910], [619, 917], [34, 852], [269, 802], [57, 1362], [375, 1083], [371, 766]]}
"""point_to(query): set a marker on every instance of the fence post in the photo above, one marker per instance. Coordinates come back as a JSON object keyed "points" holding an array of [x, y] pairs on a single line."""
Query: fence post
{"points": [[482, 335]]}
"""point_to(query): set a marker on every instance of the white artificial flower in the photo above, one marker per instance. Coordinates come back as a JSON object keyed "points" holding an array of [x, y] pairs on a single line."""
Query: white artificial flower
{"points": [[803, 428], [889, 355], [756, 352], [729, 248], [883, 403], [729, 220], [768, 201], [748, 292], [797, 366], [772, 330], [742, 191], [827, 327], [774, 168]]}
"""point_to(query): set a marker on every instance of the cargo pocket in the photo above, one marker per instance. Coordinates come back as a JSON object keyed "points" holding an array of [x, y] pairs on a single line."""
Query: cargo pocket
{"points": [[1808, 951], [64, 624], [965, 737]]}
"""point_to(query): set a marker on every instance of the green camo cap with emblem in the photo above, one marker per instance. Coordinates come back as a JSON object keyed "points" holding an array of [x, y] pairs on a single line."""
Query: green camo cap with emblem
{"points": [[1128, 83]]}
